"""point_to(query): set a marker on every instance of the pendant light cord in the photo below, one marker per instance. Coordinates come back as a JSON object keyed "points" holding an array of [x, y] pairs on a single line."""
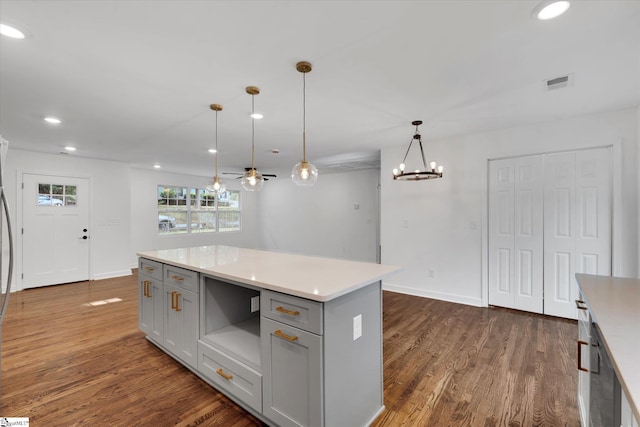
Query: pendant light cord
{"points": [[253, 123], [304, 117], [216, 144]]}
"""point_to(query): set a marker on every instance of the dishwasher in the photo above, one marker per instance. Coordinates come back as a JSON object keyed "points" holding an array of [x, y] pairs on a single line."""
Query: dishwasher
{"points": [[604, 396]]}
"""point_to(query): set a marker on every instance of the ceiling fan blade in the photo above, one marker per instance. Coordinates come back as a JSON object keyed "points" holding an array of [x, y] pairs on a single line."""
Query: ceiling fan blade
{"points": [[270, 174]]}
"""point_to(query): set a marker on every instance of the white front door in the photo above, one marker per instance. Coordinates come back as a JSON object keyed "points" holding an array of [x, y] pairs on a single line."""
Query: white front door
{"points": [[55, 236]]}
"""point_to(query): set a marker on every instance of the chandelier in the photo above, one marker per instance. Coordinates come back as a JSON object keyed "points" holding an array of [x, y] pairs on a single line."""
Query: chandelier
{"points": [[434, 170]]}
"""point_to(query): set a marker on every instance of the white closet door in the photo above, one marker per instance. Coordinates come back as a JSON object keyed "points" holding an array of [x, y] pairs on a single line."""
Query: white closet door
{"points": [[528, 233], [577, 216], [559, 233], [501, 235], [593, 212]]}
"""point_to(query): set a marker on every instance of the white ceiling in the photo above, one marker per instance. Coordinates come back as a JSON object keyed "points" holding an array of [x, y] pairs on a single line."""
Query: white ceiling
{"points": [[133, 80]]}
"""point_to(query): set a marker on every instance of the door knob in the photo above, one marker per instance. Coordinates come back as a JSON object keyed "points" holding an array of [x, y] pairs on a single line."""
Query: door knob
{"points": [[84, 230], [83, 237]]}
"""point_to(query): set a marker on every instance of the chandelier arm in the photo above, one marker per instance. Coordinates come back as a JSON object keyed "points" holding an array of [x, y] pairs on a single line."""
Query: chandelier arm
{"points": [[424, 162], [408, 149]]}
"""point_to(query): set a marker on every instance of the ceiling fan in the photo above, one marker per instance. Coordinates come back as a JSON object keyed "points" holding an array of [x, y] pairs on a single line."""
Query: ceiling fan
{"points": [[247, 170]]}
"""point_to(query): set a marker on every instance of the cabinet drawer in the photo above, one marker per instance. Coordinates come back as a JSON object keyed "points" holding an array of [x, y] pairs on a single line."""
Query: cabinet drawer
{"points": [[230, 376], [150, 268], [299, 312], [181, 277]]}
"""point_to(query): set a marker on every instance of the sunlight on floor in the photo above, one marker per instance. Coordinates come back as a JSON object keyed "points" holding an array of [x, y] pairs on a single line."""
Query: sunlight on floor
{"points": [[103, 302]]}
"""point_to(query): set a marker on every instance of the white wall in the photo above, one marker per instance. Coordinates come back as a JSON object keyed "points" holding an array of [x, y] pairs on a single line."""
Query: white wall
{"points": [[109, 206], [322, 220], [144, 214], [438, 225]]}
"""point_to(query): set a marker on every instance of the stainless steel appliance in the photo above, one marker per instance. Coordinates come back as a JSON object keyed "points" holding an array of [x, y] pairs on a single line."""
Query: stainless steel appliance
{"points": [[604, 396], [4, 210]]}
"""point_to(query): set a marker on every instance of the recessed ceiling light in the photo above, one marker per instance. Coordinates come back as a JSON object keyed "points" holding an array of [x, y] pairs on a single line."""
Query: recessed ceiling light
{"points": [[70, 148], [157, 166], [550, 9], [9, 31], [52, 120], [257, 116], [212, 150]]}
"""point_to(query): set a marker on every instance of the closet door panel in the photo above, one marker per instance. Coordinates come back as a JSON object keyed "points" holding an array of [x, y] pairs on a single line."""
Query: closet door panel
{"points": [[559, 234], [501, 232], [593, 212], [528, 233]]}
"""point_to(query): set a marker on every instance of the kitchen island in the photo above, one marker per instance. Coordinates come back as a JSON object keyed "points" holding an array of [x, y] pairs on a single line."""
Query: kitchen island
{"points": [[295, 340], [613, 306]]}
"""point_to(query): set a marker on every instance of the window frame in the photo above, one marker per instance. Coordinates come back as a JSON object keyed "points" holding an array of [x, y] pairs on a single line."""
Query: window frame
{"points": [[181, 216]]}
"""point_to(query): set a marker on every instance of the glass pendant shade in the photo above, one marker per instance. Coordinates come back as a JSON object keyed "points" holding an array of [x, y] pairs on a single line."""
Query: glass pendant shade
{"points": [[216, 186], [304, 174], [252, 180]]}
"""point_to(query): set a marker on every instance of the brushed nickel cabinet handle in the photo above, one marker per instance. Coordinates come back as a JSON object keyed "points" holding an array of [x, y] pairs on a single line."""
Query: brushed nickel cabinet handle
{"points": [[285, 336], [580, 344], [227, 377], [281, 309]]}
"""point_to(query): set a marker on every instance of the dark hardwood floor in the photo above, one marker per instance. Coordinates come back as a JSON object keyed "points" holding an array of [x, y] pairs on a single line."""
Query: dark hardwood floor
{"points": [[66, 363]]}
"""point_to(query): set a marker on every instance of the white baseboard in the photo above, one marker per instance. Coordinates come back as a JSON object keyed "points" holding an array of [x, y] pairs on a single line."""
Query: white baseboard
{"points": [[111, 274], [460, 299]]}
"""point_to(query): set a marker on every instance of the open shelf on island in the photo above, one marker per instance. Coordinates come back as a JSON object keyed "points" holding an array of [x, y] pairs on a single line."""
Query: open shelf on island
{"points": [[227, 322], [240, 340]]}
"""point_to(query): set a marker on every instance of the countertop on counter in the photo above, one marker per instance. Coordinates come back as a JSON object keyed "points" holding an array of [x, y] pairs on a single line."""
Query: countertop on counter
{"points": [[614, 304], [314, 278]]}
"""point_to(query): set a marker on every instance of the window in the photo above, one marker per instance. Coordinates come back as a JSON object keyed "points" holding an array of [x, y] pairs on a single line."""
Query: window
{"points": [[183, 210], [56, 195]]}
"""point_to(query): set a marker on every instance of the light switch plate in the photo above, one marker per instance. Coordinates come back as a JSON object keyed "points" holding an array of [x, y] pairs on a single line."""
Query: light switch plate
{"points": [[357, 327]]}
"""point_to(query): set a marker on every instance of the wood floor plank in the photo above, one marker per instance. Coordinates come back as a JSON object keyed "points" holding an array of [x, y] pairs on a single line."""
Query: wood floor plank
{"points": [[68, 363]]}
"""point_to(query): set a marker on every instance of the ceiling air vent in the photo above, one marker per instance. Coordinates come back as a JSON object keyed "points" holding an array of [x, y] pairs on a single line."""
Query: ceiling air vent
{"points": [[558, 82]]}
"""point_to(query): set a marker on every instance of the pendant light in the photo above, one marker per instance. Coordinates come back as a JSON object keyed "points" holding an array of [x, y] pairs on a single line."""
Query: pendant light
{"points": [[252, 180], [216, 186], [304, 174], [434, 170]]}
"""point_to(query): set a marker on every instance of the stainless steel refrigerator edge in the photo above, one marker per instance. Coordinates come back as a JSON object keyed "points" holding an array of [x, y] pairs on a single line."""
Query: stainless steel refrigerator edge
{"points": [[4, 210]]}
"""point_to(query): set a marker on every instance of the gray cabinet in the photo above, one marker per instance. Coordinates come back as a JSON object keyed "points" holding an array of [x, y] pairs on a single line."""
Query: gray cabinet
{"points": [[584, 359], [322, 362], [150, 301], [292, 359], [181, 323], [181, 313]]}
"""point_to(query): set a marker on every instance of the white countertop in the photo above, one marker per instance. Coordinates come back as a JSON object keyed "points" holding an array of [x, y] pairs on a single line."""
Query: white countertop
{"points": [[314, 278], [614, 303]]}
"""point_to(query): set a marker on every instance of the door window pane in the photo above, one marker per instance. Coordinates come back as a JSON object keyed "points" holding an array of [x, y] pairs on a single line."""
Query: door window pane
{"points": [[56, 195]]}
